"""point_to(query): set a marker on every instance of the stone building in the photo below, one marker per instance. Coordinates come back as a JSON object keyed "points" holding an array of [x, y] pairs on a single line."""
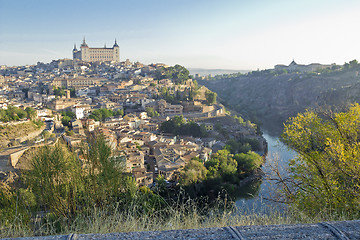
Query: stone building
{"points": [[76, 82], [294, 67], [104, 54], [165, 108]]}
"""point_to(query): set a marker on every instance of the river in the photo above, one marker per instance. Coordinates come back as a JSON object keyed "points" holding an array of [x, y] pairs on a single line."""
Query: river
{"points": [[254, 196]]}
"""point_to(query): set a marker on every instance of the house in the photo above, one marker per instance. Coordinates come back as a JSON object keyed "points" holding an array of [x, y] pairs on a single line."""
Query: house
{"points": [[77, 127], [142, 177], [81, 111], [134, 160], [74, 141], [170, 162]]}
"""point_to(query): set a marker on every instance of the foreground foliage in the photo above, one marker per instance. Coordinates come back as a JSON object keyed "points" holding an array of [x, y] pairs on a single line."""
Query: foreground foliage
{"points": [[326, 173]]}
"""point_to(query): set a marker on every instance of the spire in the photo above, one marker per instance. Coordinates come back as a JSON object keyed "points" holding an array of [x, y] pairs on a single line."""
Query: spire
{"points": [[84, 43], [74, 47], [115, 44], [105, 45]]}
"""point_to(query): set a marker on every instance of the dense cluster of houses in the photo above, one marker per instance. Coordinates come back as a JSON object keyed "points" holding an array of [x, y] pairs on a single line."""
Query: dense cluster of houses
{"points": [[126, 86]]}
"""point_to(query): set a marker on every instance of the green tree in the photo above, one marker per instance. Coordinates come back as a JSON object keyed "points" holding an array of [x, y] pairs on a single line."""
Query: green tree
{"points": [[353, 63], [119, 112], [21, 113], [65, 120], [70, 114], [105, 180], [72, 92], [151, 112], [248, 162], [101, 114], [59, 91], [210, 97], [31, 113], [55, 179], [326, 173], [223, 165], [177, 73], [193, 172]]}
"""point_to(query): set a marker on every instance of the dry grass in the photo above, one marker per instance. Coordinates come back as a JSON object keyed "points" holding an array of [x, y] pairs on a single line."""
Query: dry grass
{"points": [[184, 217]]}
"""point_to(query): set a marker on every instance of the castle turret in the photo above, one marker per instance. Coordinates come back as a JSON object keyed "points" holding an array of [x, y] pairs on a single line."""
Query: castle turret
{"points": [[76, 53], [115, 44], [116, 52], [84, 43], [85, 54]]}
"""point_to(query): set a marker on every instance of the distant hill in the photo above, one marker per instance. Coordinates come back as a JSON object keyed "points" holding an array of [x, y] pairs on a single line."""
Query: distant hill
{"points": [[271, 98], [213, 72]]}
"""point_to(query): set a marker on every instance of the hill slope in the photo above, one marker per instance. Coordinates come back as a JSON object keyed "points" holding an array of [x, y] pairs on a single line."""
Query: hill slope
{"points": [[271, 99]]}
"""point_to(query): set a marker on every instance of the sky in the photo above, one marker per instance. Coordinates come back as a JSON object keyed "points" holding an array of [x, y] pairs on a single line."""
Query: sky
{"points": [[219, 34]]}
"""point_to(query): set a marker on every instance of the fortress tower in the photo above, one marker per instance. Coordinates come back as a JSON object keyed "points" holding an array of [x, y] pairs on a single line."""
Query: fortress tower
{"points": [[104, 54]]}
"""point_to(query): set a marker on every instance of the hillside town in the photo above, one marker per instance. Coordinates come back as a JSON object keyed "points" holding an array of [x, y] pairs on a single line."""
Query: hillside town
{"points": [[69, 95]]}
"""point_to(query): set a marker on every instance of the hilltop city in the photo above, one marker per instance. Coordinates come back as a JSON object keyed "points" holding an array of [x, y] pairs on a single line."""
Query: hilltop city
{"points": [[128, 102]]}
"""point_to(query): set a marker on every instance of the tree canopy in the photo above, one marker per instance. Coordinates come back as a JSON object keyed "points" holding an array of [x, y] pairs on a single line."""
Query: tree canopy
{"points": [[13, 113], [177, 73], [210, 97], [326, 173], [103, 113], [178, 126]]}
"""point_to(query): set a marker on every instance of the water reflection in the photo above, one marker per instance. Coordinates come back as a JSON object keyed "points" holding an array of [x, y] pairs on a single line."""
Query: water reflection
{"points": [[248, 191], [255, 194]]}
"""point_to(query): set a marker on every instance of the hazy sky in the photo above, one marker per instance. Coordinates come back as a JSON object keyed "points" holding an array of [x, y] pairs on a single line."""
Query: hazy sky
{"points": [[230, 34]]}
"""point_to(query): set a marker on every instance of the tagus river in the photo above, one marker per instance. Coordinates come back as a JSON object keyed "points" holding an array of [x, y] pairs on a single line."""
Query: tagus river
{"points": [[254, 196]]}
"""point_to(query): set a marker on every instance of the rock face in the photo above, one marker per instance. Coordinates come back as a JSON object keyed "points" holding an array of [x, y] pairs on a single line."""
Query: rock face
{"points": [[273, 99]]}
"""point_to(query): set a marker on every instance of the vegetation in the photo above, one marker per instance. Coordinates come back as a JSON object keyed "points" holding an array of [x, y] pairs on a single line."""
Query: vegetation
{"points": [[193, 172], [182, 216], [103, 113], [177, 73], [223, 171], [66, 185], [14, 113], [174, 97], [178, 126], [210, 97], [326, 174], [67, 117], [243, 145], [78, 190], [230, 167], [59, 91], [151, 112]]}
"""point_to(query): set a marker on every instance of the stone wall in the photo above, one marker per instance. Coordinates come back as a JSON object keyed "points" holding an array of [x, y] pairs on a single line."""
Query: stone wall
{"points": [[15, 156], [31, 135]]}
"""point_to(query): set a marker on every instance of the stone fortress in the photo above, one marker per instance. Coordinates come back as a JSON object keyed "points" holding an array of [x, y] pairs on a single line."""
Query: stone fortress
{"points": [[104, 54]]}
